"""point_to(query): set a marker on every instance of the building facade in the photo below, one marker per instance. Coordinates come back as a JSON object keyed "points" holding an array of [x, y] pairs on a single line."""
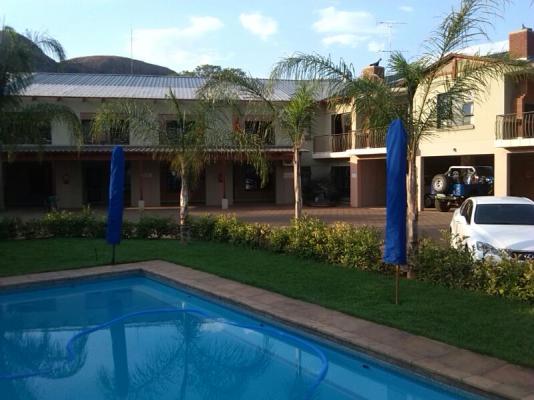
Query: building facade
{"points": [[495, 130]]}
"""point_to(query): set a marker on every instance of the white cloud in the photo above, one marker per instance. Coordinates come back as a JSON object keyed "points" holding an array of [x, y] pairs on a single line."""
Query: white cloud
{"points": [[407, 9], [259, 24], [375, 47], [486, 48], [347, 28], [177, 48]]}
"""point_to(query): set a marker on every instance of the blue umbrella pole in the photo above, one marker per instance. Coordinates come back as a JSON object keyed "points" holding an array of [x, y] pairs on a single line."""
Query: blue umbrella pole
{"points": [[113, 255], [397, 273]]}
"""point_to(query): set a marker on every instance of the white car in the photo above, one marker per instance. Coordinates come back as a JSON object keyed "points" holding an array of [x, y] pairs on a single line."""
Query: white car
{"points": [[495, 227]]}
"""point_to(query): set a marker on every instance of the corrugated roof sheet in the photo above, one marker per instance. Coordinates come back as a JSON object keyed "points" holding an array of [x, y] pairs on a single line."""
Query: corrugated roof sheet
{"points": [[128, 149], [130, 86]]}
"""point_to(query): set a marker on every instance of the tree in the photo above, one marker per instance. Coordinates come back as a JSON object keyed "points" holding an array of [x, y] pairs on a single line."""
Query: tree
{"points": [[21, 123], [415, 100], [297, 117], [208, 70], [199, 138], [252, 96]]}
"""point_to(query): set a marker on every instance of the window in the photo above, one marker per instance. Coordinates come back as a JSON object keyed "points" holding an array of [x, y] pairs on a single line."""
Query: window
{"points": [[504, 214], [174, 130], [119, 133], [262, 128], [341, 123], [467, 211], [252, 179], [451, 114]]}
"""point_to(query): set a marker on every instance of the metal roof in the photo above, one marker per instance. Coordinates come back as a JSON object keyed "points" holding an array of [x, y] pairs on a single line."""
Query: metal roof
{"points": [[28, 148], [130, 86]]}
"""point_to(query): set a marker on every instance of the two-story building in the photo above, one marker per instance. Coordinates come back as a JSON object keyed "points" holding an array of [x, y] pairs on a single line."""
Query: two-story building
{"points": [[495, 130]]}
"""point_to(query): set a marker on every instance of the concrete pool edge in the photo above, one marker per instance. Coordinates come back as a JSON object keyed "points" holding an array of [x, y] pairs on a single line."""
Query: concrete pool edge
{"points": [[444, 363]]}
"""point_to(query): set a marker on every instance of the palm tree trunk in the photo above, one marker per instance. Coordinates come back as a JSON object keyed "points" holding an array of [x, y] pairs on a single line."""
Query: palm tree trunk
{"points": [[413, 214], [184, 203], [297, 183]]}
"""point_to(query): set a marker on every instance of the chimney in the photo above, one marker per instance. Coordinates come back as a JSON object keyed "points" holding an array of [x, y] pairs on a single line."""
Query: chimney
{"points": [[522, 44], [373, 71]]}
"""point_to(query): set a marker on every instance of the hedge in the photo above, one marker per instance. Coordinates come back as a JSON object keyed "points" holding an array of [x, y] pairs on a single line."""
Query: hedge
{"points": [[340, 243]]}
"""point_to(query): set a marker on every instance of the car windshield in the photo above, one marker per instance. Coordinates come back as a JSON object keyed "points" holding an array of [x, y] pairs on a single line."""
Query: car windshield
{"points": [[504, 214]]}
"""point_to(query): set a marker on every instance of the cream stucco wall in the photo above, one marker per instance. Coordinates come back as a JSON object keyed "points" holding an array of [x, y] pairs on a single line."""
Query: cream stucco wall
{"points": [[147, 174]]}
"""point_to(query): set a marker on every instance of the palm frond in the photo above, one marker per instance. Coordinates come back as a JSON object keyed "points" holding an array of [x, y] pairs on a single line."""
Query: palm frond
{"points": [[298, 114], [47, 44]]}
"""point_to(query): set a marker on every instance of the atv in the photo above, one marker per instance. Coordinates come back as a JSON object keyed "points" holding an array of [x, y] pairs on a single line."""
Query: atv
{"points": [[459, 183]]}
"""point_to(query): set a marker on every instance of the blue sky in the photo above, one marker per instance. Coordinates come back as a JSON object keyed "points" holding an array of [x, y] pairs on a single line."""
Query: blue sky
{"points": [[251, 35]]}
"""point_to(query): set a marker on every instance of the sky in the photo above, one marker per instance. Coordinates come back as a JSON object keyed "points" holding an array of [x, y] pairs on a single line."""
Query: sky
{"points": [[252, 35]]}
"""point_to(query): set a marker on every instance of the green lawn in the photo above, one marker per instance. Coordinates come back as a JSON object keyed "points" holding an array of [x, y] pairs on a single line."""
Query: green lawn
{"points": [[488, 325]]}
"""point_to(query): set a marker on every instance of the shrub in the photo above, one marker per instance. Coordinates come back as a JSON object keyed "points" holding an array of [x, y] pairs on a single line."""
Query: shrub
{"points": [[438, 263], [307, 238], [355, 247], [202, 227], [278, 239], [69, 224], [156, 228], [509, 278], [9, 228]]}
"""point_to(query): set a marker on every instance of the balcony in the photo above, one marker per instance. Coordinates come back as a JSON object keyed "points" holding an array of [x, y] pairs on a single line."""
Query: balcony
{"points": [[351, 143], [514, 130]]}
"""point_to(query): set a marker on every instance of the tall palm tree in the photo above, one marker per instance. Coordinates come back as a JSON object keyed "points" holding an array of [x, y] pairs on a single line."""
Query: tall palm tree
{"points": [[201, 137], [252, 96], [420, 81], [22, 123]]}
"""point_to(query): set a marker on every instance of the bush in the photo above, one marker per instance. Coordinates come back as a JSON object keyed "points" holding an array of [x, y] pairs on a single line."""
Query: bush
{"points": [[202, 227], [438, 263], [156, 228], [9, 228], [509, 278]]}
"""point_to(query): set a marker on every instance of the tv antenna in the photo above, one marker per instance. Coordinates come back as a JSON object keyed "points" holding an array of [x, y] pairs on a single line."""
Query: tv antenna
{"points": [[131, 50], [389, 26]]}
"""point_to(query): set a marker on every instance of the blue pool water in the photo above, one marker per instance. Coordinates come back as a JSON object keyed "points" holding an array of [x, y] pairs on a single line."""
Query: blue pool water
{"points": [[136, 338]]}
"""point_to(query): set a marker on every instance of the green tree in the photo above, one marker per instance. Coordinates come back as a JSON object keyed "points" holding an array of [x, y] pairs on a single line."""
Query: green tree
{"points": [[200, 137], [25, 123], [251, 96], [297, 118], [415, 98]]}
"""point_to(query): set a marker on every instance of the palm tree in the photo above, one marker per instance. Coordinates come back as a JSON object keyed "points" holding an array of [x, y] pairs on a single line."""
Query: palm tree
{"points": [[250, 96], [201, 137], [415, 99], [297, 117], [20, 123]]}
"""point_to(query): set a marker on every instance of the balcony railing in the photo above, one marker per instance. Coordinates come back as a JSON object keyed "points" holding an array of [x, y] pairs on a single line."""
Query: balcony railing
{"points": [[514, 126], [354, 140]]}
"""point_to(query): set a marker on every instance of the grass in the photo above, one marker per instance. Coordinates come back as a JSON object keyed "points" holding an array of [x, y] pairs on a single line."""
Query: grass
{"points": [[488, 325]]}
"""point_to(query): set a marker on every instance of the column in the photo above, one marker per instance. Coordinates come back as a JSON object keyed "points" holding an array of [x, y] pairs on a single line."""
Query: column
{"points": [[502, 172], [354, 182], [420, 166]]}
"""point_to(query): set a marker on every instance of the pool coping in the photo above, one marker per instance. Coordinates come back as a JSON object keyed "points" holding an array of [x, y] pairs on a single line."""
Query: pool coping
{"points": [[477, 373]]}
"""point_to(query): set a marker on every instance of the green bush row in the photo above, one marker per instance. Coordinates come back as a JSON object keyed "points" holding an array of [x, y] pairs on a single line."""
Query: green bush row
{"points": [[450, 267], [339, 243]]}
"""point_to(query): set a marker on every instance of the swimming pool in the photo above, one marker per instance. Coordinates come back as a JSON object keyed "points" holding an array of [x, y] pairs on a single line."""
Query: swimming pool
{"points": [[137, 338]]}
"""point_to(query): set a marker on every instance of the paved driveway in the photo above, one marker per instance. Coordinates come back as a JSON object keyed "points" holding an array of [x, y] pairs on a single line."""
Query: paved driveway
{"points": [[430, 222]]}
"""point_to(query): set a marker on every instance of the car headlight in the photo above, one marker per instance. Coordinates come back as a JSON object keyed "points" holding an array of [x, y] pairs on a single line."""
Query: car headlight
{"points": [[487, 249]]}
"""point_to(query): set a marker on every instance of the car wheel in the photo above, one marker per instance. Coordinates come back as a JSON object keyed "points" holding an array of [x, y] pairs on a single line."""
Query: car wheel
{"points": [[442, 206], [440, 183]]}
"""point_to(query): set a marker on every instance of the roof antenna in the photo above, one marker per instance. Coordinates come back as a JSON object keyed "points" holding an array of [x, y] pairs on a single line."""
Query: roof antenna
{"points": [[131, 50], [389, 26]]}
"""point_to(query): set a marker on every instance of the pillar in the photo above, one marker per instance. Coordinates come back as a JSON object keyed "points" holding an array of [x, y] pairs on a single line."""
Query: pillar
{"points": [[420, 177], [354, 182], [502, 172]]}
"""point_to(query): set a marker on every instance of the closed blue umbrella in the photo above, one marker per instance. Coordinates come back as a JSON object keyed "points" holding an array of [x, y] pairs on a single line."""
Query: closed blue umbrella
{"points": [[116, 199], [395, 246]]}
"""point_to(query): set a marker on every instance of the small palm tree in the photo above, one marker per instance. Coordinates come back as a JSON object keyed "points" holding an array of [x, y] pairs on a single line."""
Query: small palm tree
{"points": [[414, 99], [200, 138], [20, 123], [297, 118], [251, 96]]}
